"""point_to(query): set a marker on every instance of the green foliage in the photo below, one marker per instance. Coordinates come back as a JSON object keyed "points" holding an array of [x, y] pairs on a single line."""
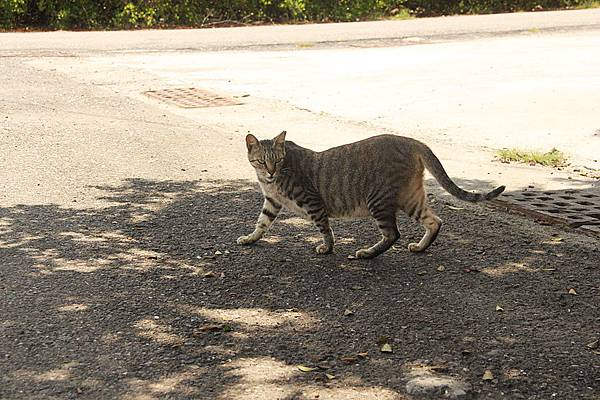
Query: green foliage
{"points": [[11, 11], [126, 14], [552, 158]]}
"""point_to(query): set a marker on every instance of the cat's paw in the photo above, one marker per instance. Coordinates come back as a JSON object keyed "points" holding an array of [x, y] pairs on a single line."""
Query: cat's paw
{"points": [[414, 248], [323, 249], [362, 253], [244, 240]]}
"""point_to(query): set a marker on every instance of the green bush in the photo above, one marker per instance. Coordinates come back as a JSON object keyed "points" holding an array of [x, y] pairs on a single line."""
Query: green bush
{"points": [[11, 11], [124, 14]]}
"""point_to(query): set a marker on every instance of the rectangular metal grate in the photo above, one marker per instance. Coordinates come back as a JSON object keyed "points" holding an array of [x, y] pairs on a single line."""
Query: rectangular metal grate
{"points": [[192, 98], [576, 208]]}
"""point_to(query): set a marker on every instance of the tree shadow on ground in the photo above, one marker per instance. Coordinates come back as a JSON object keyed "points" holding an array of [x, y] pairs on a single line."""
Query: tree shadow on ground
{"points": [[150, 297]]}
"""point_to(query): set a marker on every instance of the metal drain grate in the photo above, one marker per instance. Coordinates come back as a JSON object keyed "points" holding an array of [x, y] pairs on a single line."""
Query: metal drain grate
{"points": [[192, 98], [576, 208]]}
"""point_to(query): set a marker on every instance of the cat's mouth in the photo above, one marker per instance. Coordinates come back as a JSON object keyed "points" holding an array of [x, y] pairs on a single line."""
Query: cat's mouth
{"points": [[269, 179]]}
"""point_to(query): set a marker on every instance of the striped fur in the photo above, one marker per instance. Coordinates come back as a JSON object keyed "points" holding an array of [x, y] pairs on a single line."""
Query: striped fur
{"points": [[378, 177]]}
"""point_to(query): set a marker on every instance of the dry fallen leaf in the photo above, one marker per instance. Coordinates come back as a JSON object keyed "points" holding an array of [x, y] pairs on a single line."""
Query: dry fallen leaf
{"points": [[487, 375], [363, 355], [498, 308], [386, 348], [421, 272], [441, 268], [572, 292], [349, 360], [329, 376], [348, 312], [557, 239], [455, 208], [593, 345], [305, 369], [209, 274]]}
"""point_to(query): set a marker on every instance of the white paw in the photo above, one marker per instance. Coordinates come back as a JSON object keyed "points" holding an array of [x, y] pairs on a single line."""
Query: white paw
{"points": [[414, 247], [246, 239], [363, 253], [323, 249]]}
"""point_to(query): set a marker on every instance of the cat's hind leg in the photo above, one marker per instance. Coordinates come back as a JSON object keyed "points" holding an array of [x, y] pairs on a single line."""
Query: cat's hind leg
{"points": [[268, 214], [432, 224], [386, 222]]}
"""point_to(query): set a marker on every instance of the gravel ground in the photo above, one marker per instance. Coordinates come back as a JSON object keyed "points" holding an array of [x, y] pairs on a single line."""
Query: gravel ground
{"points": [[152, 298]]}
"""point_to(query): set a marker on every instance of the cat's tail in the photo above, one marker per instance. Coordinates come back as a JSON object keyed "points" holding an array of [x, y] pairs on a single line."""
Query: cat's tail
{"points": [[434, 166]]}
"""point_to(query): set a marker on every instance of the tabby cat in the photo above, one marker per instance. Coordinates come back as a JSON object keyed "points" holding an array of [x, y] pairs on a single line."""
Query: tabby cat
{"points": [[377, 177]]}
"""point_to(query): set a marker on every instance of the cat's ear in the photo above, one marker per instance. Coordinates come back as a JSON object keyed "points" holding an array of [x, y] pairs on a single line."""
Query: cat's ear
{"points": [[279, 139], [251, 141]]}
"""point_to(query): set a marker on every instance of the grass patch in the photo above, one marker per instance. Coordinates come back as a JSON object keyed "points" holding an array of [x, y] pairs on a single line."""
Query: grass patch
{"points": [[552, 158]]}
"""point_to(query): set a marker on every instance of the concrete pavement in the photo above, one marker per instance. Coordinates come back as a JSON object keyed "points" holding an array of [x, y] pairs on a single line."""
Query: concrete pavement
{"points": [[354, 33], [74, 123]]}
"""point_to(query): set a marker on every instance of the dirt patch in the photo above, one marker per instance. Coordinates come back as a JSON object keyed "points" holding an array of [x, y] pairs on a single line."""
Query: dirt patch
{"points": [[152, 298]]}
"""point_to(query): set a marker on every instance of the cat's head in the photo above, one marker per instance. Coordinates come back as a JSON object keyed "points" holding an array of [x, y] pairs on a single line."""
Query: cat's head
{"points": [[266, 156]]}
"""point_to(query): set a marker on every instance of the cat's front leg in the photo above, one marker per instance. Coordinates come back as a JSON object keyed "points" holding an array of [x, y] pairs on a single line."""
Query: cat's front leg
{"points": [[321, 220], [269, 212]]}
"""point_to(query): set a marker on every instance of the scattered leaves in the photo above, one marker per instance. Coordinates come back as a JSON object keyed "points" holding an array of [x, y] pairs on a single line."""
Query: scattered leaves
{"points": [[386, 348], [499, 308], [572, 292], [348, 312], [363, 355], [487, 375], [329, 376], [304, 368], [441, 268], [209, 274]]}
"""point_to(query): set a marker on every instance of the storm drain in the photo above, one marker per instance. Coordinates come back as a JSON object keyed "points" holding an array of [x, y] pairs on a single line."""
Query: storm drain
{"points": [[192, 98], [575, 208]]}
